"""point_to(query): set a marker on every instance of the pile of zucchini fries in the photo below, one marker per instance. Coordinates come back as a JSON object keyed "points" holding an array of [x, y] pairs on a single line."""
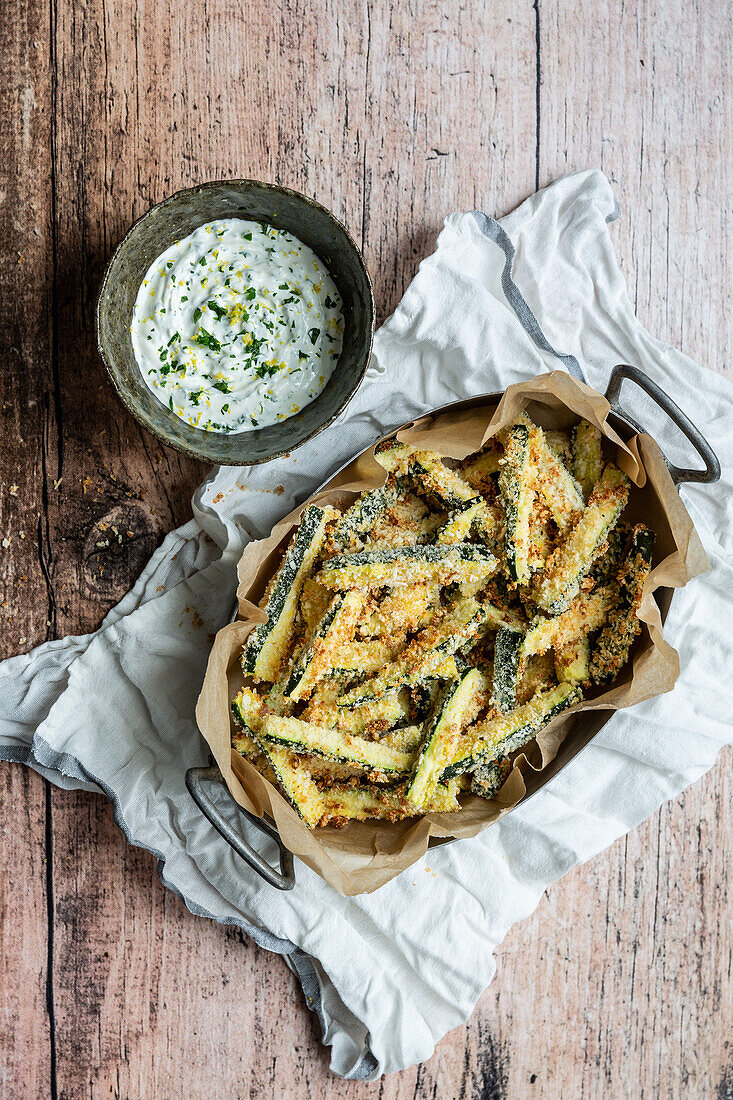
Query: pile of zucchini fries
{"points": [[418, 639]]}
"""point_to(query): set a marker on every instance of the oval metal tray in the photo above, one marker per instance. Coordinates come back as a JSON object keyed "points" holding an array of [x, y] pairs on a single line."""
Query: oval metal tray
{"points": [[587, 723]]}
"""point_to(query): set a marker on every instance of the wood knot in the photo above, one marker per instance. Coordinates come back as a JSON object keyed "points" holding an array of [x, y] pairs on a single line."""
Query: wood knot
{"points": [[117, 547]]}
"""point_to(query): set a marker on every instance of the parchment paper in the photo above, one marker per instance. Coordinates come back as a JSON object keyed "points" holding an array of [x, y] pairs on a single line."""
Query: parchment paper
{"points": [[362, 856]]}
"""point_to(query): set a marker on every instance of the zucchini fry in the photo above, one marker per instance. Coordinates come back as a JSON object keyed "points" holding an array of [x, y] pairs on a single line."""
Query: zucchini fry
{"points": [[479, 467], [569, 564], [296, 783], [495, 737], [555, 483], [572, 662], [611, 651], [361, 518], [406, 565], [538, 674], [457, 527], [406, 739], [314, 600], [606, 566], [344, 803], [320, 654], [516, 476], [423, 656], [461, 702], [587, 455], [426, 472], [401, 610], [267, 646], [394, 456], [370, 719], [364, 658], [587, 613], [488, 779], [559, 442], [406, 522], [338, 745]]}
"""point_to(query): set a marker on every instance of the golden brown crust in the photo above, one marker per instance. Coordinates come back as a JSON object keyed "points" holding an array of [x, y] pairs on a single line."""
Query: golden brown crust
{"points": [[342, 750]]}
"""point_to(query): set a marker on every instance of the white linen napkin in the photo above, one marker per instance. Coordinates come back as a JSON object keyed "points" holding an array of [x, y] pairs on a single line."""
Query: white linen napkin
{"points": [[391, 972]]}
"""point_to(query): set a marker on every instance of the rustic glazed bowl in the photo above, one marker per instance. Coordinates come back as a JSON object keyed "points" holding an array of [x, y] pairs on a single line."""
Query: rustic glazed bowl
{"points": [[175, 218]]}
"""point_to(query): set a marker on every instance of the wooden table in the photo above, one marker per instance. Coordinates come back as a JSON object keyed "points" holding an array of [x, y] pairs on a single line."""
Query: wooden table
{"points": [[393, 115]]}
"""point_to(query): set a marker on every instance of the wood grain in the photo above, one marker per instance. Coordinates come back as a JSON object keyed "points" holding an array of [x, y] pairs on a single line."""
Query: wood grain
{"points": [[392, 114], [26, 426]]}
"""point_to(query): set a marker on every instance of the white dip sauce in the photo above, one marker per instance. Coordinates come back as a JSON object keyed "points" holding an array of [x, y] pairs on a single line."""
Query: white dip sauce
{"points": [[237, 326]]}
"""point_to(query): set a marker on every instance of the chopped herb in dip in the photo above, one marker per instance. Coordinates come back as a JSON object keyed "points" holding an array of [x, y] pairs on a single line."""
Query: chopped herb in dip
{"points": [[237, 326]]}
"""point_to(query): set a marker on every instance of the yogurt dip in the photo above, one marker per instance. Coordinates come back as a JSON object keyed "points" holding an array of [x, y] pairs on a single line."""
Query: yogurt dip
{"points": [[237, 326]]}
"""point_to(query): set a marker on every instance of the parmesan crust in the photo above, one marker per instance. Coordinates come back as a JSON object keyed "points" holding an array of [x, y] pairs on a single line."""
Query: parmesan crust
{"points": [[420, 637]]}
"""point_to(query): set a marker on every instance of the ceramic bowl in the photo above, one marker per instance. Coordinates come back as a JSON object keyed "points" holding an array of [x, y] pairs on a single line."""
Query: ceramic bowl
{"points": [[175, 218]]}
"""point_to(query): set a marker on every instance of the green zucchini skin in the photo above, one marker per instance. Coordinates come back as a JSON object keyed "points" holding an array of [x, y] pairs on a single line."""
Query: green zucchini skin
{"points": [[401, 565], [361, 518], [517, 494], [497, 737], [267, 645], [338, 621], [456, 704], [336, 745], [459, 523], [613, 645], [433, 479], [488, 779], [606, 566], [508, 651]]}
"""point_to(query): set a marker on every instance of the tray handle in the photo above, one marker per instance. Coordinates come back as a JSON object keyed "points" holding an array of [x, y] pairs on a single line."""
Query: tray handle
{"points": [[674, 412], [284, 879]]}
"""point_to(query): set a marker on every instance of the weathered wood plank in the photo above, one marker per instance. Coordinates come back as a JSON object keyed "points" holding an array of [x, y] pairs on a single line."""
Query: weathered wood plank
{"points": [[27, 446], [638, 91], [25, 1027]]}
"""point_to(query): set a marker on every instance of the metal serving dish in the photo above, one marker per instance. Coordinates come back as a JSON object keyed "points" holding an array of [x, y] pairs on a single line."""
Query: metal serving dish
{"points": [[587, 723], [176, 217]]}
